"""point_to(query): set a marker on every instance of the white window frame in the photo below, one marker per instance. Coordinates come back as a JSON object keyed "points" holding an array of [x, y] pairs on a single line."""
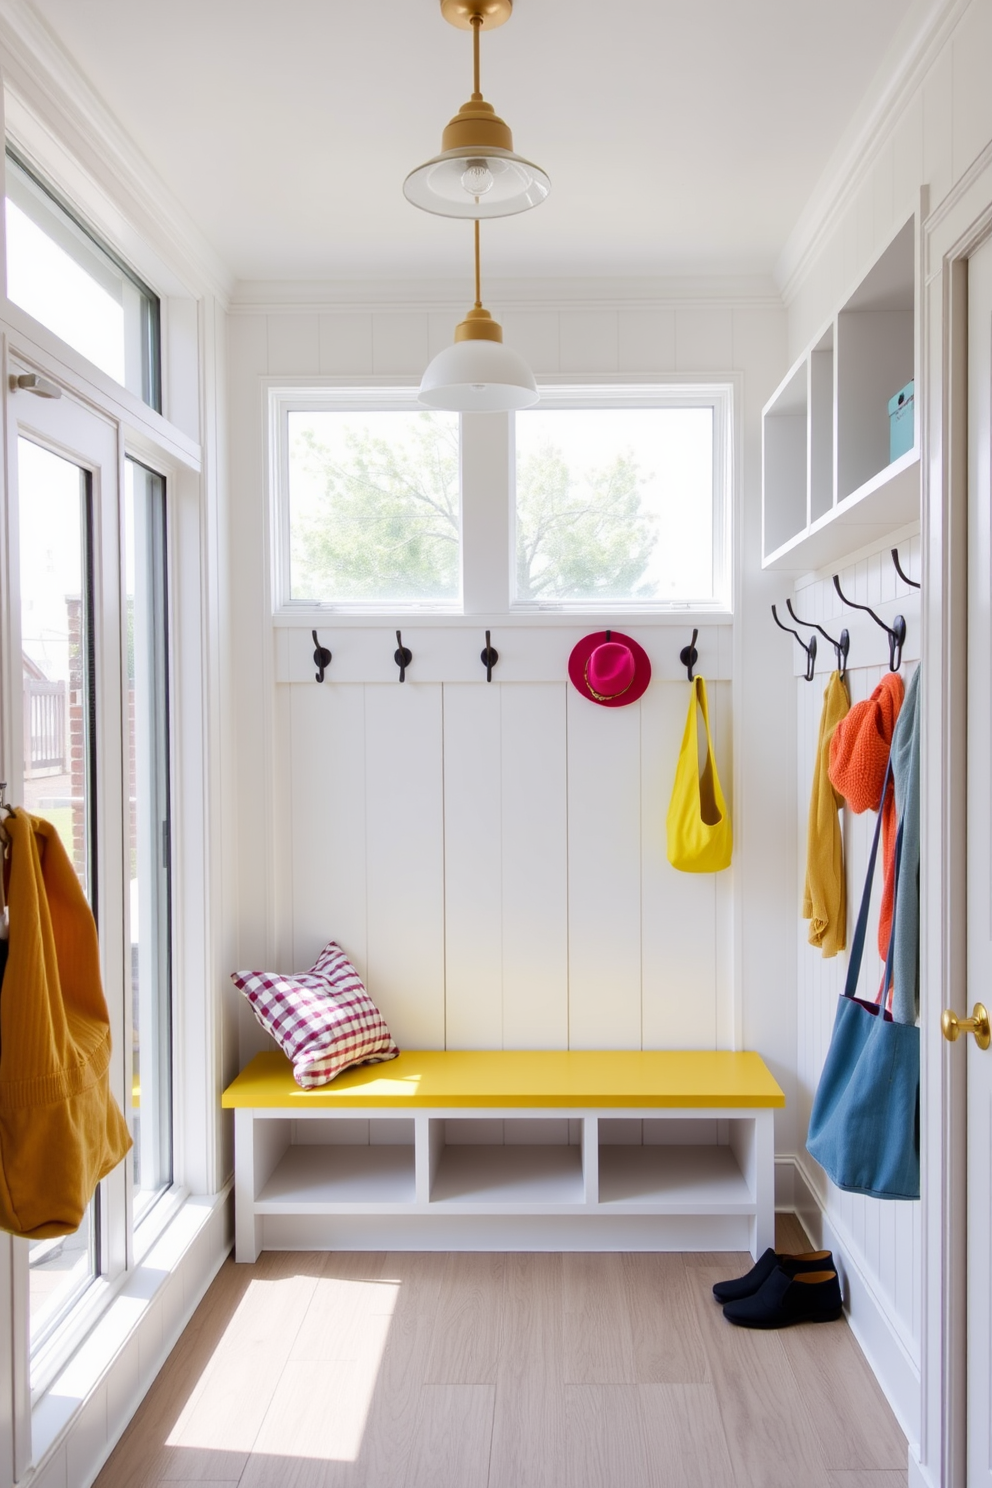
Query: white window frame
{"points": [[488, 506]]}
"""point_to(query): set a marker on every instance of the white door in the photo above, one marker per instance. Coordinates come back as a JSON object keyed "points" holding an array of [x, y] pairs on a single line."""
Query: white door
{"points": [[973, 1061]]}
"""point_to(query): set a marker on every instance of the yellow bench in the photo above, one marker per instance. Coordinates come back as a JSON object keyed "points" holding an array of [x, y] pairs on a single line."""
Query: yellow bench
{"points": [[496, 1150]]}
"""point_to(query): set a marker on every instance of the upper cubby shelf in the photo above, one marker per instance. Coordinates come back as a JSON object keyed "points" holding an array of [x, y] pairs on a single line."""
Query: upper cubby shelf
{"points": [[829, 484]]}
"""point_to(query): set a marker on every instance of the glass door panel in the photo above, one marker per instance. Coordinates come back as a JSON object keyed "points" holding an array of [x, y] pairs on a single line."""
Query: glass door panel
{"points": [[59, 750]]}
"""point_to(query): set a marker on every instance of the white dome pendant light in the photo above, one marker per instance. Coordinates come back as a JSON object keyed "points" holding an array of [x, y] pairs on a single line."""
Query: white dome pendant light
{"points": [[477, 173], [478, 373]]}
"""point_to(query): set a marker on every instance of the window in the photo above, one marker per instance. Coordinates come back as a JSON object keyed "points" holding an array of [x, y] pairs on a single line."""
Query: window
{"points": [[616, 498], [374, 507], [59, 273], [147, 725], [615, 504]]}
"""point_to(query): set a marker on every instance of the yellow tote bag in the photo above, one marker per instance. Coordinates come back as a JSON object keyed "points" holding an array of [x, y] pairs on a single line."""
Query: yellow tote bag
{"points": [[700, 839]]}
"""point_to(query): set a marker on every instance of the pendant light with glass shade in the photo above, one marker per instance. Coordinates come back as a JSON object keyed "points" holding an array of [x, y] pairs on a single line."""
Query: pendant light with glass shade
{"points": [[477, 174], [478, 373]]}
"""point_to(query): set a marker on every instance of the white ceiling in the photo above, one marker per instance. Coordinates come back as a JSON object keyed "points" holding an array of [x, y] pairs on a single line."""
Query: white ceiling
{"points": [[681, 138]]}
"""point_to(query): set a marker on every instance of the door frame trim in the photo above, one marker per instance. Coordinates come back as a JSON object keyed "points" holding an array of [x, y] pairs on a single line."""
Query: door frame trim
{"points": [[959, 226]]}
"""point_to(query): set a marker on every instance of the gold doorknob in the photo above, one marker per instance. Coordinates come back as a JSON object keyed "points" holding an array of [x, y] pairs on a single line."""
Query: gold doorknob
{"points": [[978, 1024]]}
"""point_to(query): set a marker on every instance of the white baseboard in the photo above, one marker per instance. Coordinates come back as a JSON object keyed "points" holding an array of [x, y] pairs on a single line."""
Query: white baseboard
{"points": [[82, 1416], [890, 1360]]}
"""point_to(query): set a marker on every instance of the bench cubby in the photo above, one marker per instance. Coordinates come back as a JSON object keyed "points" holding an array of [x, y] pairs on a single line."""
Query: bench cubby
{"points": [[508, 1150]]}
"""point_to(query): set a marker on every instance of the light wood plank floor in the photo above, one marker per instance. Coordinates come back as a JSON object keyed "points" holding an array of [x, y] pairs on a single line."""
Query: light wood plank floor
{"points": [[340, 1370]]}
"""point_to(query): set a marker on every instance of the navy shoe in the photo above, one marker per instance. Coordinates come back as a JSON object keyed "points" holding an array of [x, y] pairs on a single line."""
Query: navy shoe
{"points": [[809, 1297], [746, 1286]]}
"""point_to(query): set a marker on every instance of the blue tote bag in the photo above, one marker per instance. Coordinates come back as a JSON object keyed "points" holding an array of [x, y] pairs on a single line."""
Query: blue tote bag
{"points": [[864, 1125]]}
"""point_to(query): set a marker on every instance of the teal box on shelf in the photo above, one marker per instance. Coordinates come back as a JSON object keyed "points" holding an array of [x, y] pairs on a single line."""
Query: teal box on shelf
{"points": [[901, 422]]}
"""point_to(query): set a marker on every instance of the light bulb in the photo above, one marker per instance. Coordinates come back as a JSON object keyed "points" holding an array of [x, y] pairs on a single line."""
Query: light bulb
{"points": [[477, 178]]}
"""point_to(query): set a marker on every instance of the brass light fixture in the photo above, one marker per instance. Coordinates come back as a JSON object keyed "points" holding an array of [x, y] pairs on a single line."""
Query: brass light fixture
{"points": [[478, 373], [477, 174]]}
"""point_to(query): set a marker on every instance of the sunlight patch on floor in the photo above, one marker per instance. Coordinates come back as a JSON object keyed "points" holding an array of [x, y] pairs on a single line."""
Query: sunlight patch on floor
{"points": [[312, 1401]]}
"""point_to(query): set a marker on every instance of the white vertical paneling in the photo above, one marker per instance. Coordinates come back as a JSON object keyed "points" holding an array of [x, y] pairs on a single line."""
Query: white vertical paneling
{"points": [[972, 98], [247, 360], [535, 867], [721, 728], [404, 815], [938, 126], [604, 889], [588, 340], [327, 821], [400, 342], [441, 326], [704, 340], [883, 191], [533, 334], [646, 340], [181, 364], [908, 163], [473, 867], [281, 851], [678, 930], [294, 345], [345, 344]]}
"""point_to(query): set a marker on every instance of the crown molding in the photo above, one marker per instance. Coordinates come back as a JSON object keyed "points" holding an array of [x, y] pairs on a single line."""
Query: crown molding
{"points": [[66, 129], [446, 297], [915, 47]]}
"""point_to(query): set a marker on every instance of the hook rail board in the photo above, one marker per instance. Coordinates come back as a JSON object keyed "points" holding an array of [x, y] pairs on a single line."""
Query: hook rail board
{"points": [[526, 653]]}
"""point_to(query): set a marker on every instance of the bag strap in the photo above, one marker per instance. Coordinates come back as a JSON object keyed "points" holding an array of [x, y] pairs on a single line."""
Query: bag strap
{"points": [[699, 701], [861, 928], [883, 996]]}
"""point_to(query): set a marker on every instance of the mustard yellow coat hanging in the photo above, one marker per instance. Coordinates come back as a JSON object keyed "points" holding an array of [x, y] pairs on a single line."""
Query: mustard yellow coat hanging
{"points": [[61, 1130], [700, 839]]}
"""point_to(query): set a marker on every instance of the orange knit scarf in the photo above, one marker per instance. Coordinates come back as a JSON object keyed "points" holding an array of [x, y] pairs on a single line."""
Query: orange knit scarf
{"points": [[859, 756]]}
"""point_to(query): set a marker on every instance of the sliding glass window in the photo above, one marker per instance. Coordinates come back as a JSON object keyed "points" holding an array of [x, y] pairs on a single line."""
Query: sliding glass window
{"points": [[147, 722]]}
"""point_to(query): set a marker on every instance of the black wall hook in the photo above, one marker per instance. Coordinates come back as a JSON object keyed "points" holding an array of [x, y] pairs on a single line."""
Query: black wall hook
{"points": [[842, 646], [904, 576], [402, 656], [489, 656], [896, 632], [688, 656], [810, 649], [321, 657]]}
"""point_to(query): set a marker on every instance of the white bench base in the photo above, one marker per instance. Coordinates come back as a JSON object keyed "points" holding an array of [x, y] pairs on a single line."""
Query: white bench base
{"points": [[300, 1187]]}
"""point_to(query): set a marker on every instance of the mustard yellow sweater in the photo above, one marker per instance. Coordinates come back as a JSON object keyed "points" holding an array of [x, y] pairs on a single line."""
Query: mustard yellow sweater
{"points": [[60, 1129], [824, 897]]}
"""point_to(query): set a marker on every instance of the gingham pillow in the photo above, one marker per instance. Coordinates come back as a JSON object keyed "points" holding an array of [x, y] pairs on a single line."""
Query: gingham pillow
{"points": [[323, 1019]]}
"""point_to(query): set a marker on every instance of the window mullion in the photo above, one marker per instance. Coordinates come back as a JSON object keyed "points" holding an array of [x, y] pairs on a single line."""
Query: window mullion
{"points": [[486, 462]]}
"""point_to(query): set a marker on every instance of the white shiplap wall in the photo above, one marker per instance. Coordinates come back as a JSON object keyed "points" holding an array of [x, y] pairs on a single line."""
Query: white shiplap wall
{"points": [[493, 859]]}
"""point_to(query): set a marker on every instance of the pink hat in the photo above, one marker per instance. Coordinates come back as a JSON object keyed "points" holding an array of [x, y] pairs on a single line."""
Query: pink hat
{"points": [[609, 668]]}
